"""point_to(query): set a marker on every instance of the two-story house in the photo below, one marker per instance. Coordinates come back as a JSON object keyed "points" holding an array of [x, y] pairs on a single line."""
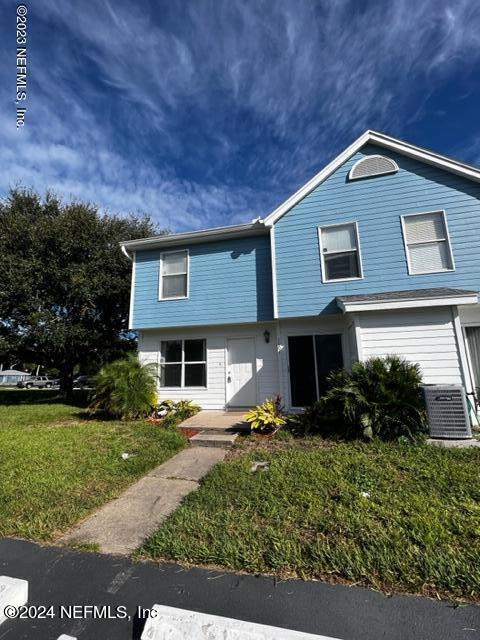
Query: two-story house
{"points": [[378, 253]]}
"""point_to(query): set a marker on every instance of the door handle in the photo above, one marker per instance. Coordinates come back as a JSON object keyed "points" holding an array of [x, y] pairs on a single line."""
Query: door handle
{"points": [[229, 379]]}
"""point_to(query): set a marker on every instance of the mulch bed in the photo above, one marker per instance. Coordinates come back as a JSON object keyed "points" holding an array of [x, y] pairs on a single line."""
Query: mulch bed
{"points": [[188, 431]]}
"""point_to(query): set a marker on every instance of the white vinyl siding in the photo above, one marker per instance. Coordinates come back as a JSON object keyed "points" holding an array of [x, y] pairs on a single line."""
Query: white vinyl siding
{"points": [[427, 243], [173, 275], [425, 336], [340, 252], [213, 396]]}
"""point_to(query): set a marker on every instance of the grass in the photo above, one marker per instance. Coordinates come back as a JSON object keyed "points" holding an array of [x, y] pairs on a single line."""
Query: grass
{"points": [[390, 516], [56, 466]]}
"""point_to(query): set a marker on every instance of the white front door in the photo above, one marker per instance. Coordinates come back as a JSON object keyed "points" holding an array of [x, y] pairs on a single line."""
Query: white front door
{"points": [[241, 384]]}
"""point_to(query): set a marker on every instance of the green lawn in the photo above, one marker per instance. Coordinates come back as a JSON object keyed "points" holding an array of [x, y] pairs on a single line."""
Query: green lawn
{"points": [[417, 528], [56, 466]]}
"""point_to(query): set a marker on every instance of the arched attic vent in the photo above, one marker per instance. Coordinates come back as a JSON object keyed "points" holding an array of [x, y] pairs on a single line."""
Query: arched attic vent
{"points": [[372, 166]]}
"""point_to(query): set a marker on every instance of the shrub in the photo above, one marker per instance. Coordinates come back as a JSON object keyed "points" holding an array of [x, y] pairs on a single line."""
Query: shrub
{"points": [[314, 420], [266, 417], [380, 397], [182, 409], [186, 408], [125, 389]]}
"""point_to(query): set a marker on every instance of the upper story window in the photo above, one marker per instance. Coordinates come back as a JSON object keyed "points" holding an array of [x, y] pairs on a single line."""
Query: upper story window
{"points": [[173, 274], [340, 252], [371, 166], [427, 243]]}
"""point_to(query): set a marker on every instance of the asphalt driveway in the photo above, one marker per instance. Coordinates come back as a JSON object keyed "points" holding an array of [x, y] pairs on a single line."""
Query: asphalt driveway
{"points": [[59, 576]]}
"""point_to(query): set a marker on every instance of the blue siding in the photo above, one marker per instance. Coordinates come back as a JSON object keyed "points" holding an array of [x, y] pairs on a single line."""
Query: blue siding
{"points": [[376, 204], [229, 281]]}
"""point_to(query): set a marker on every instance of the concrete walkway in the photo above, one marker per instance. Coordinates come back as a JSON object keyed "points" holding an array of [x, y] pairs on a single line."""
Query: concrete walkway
{"points": [[232, 421], [122, 525]]}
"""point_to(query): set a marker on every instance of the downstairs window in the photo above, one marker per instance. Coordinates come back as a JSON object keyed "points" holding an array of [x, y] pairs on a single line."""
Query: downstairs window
{"points": [[183, 363]]}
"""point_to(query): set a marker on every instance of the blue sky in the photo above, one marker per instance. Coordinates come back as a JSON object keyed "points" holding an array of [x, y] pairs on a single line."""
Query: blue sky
{"points": [[211, 112]]}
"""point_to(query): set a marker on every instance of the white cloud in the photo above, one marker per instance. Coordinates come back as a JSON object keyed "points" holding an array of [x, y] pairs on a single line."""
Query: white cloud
{"points": [[298, 80]]}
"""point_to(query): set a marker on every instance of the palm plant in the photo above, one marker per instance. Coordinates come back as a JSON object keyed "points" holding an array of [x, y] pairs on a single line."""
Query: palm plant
{"points": [[125, 389], [381, 396]]}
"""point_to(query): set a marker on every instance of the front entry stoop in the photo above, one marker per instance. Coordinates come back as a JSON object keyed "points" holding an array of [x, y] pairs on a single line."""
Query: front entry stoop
{"points": [[214, 438], [215, 428]]}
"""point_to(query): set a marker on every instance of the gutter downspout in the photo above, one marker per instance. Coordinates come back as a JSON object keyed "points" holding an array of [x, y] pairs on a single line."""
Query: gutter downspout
{"points": [[132, 285], [125, 252]]}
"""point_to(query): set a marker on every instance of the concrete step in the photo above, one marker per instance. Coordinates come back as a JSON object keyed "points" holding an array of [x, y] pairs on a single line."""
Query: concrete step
{"points": [[213, 439]]}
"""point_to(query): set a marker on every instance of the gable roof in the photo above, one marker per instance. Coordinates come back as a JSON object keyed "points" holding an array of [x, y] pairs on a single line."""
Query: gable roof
{"points": [[381, 140]]}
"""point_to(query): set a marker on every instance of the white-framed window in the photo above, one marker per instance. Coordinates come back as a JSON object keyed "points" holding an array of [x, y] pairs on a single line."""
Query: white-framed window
{"points": [[183, 363], [427, 243], [173, 275], [340, 252]]}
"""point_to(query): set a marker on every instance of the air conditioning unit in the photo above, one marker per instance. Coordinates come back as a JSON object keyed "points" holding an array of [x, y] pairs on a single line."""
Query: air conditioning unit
{"points": [[447, 410]]}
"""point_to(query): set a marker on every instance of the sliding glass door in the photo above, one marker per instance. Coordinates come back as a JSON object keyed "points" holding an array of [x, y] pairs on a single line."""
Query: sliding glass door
{"points": [[473, 340], [311, 359]]}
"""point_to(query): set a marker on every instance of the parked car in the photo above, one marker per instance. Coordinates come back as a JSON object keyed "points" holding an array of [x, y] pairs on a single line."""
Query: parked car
{"points": [[39, 382], [83, 382]]}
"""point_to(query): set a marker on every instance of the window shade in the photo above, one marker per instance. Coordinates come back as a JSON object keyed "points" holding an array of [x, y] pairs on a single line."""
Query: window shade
{"points": [[174, 263], [426, 227], [341, 238], [429, 257], [174, 286]]}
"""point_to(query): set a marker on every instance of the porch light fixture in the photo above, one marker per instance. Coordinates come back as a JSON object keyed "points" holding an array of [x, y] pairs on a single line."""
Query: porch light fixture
{"points": [[266, 335]]}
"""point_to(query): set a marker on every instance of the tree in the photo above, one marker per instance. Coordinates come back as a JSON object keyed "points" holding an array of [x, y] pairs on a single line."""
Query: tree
{"points": [[64, 282]]}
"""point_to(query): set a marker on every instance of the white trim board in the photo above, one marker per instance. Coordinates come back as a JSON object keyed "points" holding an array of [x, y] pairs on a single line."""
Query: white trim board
{"points": [[132, 291], [273, 257], [462, 351], [381, 140]]}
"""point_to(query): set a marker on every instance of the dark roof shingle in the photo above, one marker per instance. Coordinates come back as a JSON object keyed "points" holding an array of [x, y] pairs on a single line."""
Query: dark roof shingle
{"points": [[419, 294]]}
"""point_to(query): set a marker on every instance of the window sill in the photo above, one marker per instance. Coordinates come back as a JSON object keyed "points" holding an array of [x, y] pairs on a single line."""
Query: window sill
{"points": [[342, 280], [170, 299], [430, 273], [183, 388]]}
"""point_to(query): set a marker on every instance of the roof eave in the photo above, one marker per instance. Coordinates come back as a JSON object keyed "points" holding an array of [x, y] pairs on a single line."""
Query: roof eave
{"points": [[196, 237], [406, 303]]}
